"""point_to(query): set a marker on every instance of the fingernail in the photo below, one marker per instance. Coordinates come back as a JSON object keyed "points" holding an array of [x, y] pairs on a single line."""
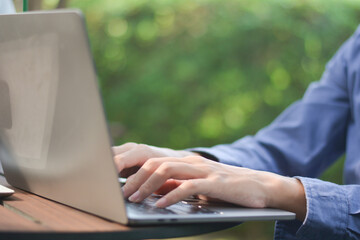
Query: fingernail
{"points": [[134, 197], [162, 202]]}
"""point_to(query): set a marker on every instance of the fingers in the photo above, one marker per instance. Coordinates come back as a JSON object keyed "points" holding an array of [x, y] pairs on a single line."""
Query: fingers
{"points": [[135, 181], [168, 186], [127, 159], [120, 153], [155, 173], [185, 190], [133, 155]]}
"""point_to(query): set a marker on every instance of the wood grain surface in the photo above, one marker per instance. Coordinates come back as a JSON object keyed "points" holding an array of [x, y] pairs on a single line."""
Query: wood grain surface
{"points": [[28, 216]]}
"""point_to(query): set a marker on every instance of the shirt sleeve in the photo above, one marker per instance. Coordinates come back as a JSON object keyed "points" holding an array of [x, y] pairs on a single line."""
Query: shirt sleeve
{"points": [[309, 135], [333, 211]]}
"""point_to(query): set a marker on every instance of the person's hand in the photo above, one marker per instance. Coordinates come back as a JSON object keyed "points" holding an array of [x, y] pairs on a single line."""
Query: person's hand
{"points": [[130, 156], [194, 175]]}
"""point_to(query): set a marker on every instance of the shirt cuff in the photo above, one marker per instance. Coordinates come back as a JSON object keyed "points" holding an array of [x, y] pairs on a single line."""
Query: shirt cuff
{"points": [[327, 210]]}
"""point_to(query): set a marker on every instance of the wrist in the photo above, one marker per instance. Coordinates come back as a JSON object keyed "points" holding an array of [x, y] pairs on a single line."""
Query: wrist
{"points": [[288, 194]]}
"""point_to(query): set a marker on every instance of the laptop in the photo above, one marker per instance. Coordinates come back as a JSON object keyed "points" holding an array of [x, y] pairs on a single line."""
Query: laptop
{"points": [[54, 129]]}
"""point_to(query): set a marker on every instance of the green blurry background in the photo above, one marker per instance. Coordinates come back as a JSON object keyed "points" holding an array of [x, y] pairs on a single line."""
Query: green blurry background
{"points": [[191, 73]]}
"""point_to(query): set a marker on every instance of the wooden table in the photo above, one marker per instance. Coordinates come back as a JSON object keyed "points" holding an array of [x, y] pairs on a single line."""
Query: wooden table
{"points": [[28, 216]]}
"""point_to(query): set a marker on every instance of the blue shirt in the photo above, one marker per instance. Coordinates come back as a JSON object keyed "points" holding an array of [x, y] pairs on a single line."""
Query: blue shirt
{"points": [[307, 138]]}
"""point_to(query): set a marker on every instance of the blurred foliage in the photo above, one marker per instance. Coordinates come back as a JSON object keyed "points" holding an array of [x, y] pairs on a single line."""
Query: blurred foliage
{"points": [[187, 73], [197, 73]]}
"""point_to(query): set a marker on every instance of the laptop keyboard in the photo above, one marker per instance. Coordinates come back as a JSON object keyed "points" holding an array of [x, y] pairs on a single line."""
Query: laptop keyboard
{"points": [[147, 206]]}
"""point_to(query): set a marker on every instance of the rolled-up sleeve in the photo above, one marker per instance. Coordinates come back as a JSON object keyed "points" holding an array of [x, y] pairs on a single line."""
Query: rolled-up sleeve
{"points": [[333, 211]]}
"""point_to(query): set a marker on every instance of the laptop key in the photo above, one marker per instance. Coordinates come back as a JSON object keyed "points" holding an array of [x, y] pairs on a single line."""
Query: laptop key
{"points": [[147, 209], [181, 208]]}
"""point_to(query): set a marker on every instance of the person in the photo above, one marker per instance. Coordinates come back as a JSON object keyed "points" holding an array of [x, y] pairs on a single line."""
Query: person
{"points": [[278, 166]]}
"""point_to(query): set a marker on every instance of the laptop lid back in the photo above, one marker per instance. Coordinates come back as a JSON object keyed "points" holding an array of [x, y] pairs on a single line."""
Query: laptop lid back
{"points": [[52, 115]]}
